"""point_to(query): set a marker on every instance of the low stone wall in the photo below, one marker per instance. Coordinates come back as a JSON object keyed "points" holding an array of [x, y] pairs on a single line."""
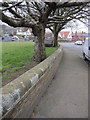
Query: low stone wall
{"points": [[20, 96]]}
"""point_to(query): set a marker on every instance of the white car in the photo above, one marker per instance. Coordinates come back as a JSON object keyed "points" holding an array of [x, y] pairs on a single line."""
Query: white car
{"points": [[86, 49], [78, 43], [15, 38]]}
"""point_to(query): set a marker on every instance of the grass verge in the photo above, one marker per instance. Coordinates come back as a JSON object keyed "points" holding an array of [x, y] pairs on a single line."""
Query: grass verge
{"points": [[17, 58]]}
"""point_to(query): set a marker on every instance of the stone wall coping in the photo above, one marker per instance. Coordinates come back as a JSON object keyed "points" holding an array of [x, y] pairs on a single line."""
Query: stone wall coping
{"points": [[13, 91]]}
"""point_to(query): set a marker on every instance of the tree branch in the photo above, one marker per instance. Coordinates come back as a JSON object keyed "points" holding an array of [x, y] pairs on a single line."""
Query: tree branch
{"points": [[35, 17], [71, 4], [16, 22], [11, 10], [12, 6]]}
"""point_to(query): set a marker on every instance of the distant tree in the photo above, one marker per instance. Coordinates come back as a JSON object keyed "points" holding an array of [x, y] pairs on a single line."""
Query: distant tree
{"points": [[64, 15], [35, 15], [11, 35]]}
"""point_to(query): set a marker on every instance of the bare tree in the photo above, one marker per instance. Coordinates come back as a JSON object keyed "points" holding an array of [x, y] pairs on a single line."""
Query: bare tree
{"points": [[64, 15], [35, 15]]}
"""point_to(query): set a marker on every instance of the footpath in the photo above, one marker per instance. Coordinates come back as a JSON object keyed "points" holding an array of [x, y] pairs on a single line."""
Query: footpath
{"points": [[67, 95]]}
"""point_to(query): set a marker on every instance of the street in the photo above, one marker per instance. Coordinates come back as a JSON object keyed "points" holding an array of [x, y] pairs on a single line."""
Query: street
{"points": [[76, 48], [67, 96]]}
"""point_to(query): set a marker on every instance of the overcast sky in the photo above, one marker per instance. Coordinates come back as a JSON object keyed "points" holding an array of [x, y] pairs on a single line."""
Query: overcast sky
{"points": [[79, 26]]}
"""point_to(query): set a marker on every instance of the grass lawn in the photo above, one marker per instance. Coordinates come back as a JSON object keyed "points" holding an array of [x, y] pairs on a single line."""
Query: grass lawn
{"points": [[17, 56]]}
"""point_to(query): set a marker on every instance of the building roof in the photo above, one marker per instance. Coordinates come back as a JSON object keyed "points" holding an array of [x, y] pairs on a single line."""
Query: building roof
{"points": [[64, 34]]}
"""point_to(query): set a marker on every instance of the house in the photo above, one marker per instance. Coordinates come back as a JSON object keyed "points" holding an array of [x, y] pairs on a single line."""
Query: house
{"points": [[78, 36], [26, 32], [20, 31], [65, 35], [29, 32]]}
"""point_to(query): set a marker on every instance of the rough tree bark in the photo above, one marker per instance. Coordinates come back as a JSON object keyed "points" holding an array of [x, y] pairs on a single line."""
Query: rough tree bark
{"points": [[55, 39], [56, 29], [55, 32], [39, 48]]}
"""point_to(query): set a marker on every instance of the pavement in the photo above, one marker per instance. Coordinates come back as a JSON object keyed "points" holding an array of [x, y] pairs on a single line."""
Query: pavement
{"points": [[67, 95]]}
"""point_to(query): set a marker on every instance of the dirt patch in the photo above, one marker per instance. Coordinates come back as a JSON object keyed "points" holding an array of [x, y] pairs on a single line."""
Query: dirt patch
{"points": [[18, 73]]}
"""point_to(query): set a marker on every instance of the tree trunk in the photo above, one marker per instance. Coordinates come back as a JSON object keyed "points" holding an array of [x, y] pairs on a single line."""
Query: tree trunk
{"points": [[39, 49], [55, 39]]}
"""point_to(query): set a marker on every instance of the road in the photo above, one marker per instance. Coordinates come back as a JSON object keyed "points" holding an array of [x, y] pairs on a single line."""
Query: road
{"points": [[76, 48], [67, 96]]}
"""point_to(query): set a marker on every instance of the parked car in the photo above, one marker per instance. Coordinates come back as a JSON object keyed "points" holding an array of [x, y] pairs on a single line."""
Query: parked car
{"points": [[78, 42], [86, 49], [6, 38], [14, 38], [26, 39], [48, 43]]}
